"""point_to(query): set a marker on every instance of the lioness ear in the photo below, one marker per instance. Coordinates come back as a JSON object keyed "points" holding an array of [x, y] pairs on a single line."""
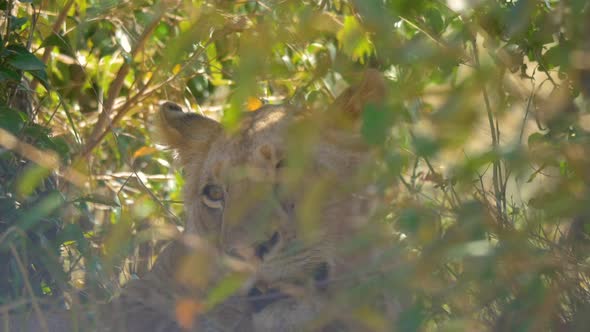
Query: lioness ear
{"points": [[189, 133], [371, 90], [341, 141]]}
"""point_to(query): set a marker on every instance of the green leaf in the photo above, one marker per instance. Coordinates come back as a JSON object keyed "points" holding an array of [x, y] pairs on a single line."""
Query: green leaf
{"points": [[536, 138], [411, 319], [162, 31], [59, 41], [471, 219], [395, 163], [61, 146], [73, 232], [31, 179], [17, 22], [12, 120], [425, 146], [45, 207], [226, 287], [40, 134], [7, 74], [354, 40], [434, 20], [376, 124], [21, 58], [41, 76], [557, 56], [232, 116], [199, 87], [409, 220]]}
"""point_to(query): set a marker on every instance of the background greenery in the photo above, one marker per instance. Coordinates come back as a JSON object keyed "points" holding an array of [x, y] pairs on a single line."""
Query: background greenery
{"points": [[484, 146]]}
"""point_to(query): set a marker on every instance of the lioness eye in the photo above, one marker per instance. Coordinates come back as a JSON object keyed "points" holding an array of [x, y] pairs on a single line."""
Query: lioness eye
{"points": [[213, 196]]}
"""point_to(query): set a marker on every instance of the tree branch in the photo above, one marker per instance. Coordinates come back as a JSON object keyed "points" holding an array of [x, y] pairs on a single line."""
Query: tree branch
{"points": [[104, 119], [55, 29]]}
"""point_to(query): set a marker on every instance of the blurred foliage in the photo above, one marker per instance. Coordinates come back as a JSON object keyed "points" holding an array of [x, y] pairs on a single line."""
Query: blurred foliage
{"points": [[483, 164]]}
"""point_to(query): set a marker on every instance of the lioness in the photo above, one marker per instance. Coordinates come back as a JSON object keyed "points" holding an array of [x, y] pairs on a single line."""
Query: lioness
{"points": [[281, 200], [280, 196]]}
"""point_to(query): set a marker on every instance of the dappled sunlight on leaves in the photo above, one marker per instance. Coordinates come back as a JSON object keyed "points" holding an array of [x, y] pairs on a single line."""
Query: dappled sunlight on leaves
{"points": [[470, 207]]}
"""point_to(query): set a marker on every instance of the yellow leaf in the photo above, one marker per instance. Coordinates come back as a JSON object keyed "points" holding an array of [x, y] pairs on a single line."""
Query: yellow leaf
{"points": [[253, 104], [354, 40], [147, 76], [176, 69], [186, 312], [79, 283], [144, 151]]}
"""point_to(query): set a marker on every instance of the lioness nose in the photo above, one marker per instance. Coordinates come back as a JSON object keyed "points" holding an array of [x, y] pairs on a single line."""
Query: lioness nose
{"points": [[264, 248]]}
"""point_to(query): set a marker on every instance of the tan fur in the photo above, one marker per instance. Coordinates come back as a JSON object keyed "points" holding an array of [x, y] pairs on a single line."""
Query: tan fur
{"points": [[290, 186]]}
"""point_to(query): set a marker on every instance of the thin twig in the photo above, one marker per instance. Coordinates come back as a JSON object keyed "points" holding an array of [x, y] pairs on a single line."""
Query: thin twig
{"points": [[47, 159], [104, 119], [155, 198], [34, 20], [497, 171], [526, 114], [544, 68], [141, 95], [122, 111], [8, 15], [29, 288], [63, 14]]}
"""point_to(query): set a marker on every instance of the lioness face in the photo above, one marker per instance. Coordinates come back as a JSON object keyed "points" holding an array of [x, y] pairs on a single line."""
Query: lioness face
{"points": [[279, 193]]}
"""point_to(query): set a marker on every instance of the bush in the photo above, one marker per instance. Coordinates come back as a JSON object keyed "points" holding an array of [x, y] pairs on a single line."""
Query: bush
{"points": [[482, 152]]}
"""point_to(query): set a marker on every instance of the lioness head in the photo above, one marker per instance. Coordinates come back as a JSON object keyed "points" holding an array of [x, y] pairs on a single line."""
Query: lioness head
{"points": [[282, 191]]}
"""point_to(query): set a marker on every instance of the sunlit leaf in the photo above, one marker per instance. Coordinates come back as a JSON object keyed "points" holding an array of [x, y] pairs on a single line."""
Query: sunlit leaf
{"points": [[232, 115], [144, 151], [187, 311], [176, 69], [30, 180], [225, 288], [17, 22], [474, 248], [354, 40], [253, 104], [123, 40], [458, 237]]}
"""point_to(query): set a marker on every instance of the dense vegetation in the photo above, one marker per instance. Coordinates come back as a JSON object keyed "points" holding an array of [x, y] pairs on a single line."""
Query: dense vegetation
{"points": [[483, 172]]}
